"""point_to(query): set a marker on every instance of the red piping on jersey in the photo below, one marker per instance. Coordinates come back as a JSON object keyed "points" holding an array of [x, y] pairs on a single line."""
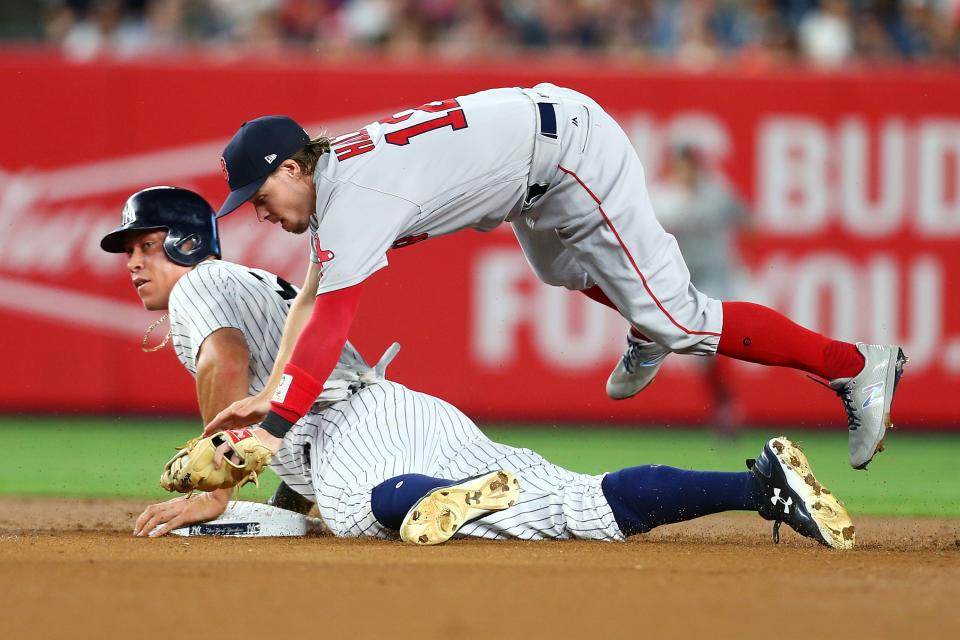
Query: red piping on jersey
{"points": [[632, 261]]}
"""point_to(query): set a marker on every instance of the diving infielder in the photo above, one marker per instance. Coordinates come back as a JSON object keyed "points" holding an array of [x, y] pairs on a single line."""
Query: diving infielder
{"points": [[379, 459], [551, 162]]}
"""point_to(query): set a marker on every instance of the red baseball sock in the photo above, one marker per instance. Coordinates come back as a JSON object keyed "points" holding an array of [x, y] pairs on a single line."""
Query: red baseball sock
{"points": [[596, 293], [759, 334]]}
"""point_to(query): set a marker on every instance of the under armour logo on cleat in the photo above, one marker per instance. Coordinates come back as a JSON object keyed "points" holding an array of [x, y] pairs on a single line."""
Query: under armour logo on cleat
{"points": [[574, 121], [270, 158], [776, 498]]}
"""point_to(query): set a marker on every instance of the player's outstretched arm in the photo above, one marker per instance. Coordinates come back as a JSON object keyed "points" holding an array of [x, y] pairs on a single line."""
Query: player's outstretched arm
{"points": [[223, 371], [252, 409], [180, 512]]}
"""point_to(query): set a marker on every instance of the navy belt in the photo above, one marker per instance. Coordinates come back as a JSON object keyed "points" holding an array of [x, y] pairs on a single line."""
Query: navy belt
{"points": [[548, 120]]}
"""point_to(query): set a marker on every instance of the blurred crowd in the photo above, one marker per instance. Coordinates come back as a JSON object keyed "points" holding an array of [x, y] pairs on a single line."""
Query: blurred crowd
{"points": [[694, 33]]}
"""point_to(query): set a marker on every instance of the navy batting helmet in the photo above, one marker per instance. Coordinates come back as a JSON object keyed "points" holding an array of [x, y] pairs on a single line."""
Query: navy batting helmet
{"points": [[190, 221]]}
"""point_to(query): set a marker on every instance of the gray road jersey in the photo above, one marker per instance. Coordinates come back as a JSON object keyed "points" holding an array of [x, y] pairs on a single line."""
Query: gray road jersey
{"points": [[424, 172]]}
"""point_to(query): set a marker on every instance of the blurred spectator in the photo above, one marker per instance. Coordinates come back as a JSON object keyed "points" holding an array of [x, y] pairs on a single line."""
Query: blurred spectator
{"points": [[235, 20], [22, 20], [826, 33], [871, 40], [86, 34], [695, 204], [372, 21], [477, 27], [86, 30], [921, 30], [695, 33], [698, 45]]}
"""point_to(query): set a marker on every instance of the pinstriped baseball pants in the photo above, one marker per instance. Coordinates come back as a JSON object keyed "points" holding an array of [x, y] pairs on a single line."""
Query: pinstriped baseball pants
{"points": [[388, 430]]}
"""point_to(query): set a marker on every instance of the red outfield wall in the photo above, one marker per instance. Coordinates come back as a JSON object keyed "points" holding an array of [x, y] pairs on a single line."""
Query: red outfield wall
{"points": [[854, 181]]}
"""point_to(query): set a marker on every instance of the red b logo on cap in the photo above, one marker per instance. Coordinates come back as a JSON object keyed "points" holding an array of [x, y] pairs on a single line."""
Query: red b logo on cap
{"points": [[223, 168]]}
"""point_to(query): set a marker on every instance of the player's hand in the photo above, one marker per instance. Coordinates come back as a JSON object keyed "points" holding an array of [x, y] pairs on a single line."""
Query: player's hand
{"points": [[269, 440], [161, 518], [241, 413]]}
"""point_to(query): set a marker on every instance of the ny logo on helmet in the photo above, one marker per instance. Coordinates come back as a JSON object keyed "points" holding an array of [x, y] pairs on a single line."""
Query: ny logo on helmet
{"points": [[128, 216], [223, 169]]}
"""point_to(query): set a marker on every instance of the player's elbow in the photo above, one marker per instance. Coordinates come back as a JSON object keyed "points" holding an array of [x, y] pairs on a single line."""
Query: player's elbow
{"points": [[229, 369], [224, 355]]}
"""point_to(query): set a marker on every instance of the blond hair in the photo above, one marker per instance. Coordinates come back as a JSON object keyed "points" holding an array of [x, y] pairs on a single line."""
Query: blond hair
{"points": [[308, 156]]}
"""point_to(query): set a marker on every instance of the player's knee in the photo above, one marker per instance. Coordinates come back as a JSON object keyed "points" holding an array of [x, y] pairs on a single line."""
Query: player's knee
{"points": [[679, 340], [692, 325], [572, 279], [628, 497], [695, 344]]}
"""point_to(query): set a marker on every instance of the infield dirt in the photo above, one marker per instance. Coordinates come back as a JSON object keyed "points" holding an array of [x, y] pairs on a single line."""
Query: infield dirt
{"points": [[71, 569]]}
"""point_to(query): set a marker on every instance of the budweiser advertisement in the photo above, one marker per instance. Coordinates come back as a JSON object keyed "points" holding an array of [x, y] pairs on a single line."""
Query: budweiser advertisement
{"points": [[852, 184]]}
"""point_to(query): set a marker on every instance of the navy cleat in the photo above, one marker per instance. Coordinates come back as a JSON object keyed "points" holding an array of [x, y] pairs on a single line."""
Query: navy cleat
{"points": [[868, 398], [441, 513], [790, 493]]}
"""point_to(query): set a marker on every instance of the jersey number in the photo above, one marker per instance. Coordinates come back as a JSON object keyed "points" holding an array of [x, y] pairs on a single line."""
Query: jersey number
{"points": [[452, 116]]}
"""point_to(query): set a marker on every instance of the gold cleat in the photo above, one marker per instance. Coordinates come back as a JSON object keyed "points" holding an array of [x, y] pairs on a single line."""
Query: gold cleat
{"points": [[441, 513]]}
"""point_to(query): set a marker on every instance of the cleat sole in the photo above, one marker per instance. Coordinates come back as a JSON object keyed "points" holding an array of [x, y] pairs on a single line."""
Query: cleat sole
{"points": [[827, 511], [441, 513]]}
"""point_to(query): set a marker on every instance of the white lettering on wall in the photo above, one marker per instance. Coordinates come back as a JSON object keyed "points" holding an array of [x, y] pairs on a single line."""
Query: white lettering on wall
{"points": [[792, 167], [826, 285], [883, 300], [499, 307], [871, 179], [865, 215], [39, 237], [652, 137], [566, 330], [938, 209], [572, 331], [915, 320]]}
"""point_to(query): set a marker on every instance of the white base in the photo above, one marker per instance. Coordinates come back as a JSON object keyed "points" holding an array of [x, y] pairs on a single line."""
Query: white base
{"points": [[254, 520]]}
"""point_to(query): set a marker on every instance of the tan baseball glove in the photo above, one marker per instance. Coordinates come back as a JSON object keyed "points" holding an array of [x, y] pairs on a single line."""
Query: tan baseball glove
{"points": [[192, 468]]}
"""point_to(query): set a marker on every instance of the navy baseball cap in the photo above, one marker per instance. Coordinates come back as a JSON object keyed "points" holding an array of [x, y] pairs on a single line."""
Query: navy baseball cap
{"points": [[254, 152]]}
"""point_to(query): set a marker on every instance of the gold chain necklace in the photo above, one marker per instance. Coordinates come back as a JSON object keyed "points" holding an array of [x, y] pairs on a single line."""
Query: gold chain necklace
{"points": [[146, 336]]}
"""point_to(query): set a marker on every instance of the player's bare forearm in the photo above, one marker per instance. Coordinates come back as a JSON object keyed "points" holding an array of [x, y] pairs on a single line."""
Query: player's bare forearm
{"points": [[223, 371], [250, 410], [300, 312], [163, 517]]}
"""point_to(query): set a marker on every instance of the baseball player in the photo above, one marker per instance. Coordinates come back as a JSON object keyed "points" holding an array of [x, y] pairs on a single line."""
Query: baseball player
{"points": [[551, 162], [375, 457], [696, 206]]}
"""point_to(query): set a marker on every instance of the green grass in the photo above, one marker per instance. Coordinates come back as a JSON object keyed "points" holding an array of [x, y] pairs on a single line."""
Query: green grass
{"points": [[123, 458]]}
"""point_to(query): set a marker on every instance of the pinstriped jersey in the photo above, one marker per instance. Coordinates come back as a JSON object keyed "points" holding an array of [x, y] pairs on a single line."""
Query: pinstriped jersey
{"points": [[444, 166], [218, 294]]}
